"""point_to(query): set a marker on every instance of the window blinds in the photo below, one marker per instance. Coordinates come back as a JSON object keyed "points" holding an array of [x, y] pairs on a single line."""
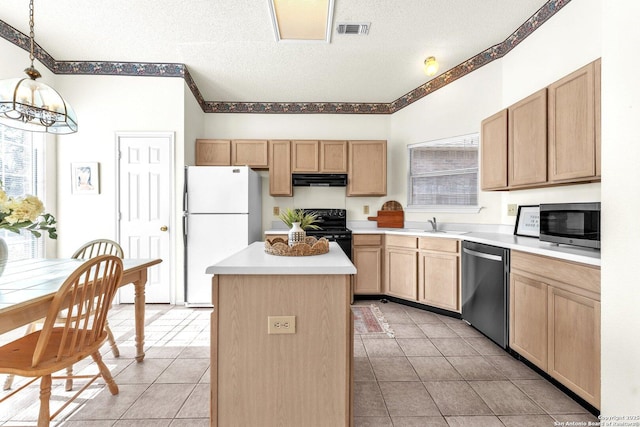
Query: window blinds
{"points": [[444, 172]]}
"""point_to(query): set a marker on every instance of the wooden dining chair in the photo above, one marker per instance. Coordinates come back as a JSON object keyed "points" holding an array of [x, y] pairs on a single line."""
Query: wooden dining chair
{"points": [[83, 301], [88, 250]]}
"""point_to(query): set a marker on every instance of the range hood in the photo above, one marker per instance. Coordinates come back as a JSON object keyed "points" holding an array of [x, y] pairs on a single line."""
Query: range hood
{"points": [[319, 179]]}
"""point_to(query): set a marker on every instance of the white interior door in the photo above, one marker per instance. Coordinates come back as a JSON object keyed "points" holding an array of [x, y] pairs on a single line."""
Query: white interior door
{"points": [[145, 201]]}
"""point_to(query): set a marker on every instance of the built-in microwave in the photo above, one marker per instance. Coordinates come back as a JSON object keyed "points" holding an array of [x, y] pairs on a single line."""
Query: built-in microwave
{"points": [[575, 224]]}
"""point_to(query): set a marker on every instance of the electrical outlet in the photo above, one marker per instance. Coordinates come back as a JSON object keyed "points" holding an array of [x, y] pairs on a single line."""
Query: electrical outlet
{"points": [[512, 209], [281, 324], [365, 209], [276, 210]]}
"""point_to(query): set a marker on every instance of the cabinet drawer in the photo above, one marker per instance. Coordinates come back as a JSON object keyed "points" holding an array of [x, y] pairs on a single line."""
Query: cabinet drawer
{"points": [[367, 239], [402, 241], [438, 244], [558, 272]]}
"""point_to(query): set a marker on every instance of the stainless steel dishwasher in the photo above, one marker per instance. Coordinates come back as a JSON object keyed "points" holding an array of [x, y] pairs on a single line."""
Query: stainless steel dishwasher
{"points": [[485, 285]]}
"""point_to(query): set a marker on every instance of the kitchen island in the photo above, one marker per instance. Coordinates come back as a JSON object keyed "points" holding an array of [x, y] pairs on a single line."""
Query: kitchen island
{"points": [[281, 339]]}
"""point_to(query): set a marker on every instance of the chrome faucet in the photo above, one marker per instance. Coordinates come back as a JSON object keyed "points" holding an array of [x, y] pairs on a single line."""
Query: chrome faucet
{"points": [[434, 224]]}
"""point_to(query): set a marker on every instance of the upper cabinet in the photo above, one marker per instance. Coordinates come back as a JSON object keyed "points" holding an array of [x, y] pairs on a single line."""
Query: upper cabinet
{"points": [[367, 168], [319, 156], [238, 152], [333, 156], [305, 156], [213, 152], [493, 151], [528, 140], [572, 128], [280, 168], [551, 137], [250, 152]]}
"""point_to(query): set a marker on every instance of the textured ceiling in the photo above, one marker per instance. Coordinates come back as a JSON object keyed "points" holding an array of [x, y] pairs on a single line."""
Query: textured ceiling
{"points": [[230, 50]]}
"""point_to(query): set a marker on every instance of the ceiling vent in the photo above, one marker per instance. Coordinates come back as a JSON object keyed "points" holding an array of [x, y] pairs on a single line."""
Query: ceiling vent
{"points": [[358, 28]]}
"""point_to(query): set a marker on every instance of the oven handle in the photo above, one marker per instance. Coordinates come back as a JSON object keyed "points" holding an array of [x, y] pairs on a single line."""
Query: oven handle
{"points": [[481, 255]]}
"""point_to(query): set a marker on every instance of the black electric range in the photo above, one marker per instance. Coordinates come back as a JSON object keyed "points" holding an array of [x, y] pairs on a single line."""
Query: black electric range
{"points": [[333, 227]]}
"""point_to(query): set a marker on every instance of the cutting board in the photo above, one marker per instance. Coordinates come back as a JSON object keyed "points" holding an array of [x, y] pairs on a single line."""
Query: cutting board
{"points": [[389, 219]]}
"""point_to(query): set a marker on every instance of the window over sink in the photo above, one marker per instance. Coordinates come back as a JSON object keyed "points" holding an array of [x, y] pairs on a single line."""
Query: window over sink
{"points": [[443, 174]]}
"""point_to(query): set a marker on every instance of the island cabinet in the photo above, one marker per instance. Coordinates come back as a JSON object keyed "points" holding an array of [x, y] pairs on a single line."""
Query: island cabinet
{"points": [[280, 168], [401, 257], [281, 340], [367, 168], [439, 272], [573, 102], [250, 152], [368, 257], [527, 141], [213, 152], [554, 320]]}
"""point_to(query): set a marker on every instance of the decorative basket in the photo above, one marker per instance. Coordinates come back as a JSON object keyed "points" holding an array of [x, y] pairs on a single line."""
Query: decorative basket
{"points": [[311, 246]]}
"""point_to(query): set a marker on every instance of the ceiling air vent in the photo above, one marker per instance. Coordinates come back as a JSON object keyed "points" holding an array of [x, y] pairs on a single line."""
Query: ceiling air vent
{"points": [[358, 28]]}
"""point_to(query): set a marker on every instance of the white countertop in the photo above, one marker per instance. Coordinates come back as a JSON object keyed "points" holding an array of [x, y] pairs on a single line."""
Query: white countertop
{"points": [[510, 241], [254, 260]]}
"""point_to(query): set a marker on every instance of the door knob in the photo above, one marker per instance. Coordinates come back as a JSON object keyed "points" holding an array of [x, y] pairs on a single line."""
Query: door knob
{"points": [[163, 228]]}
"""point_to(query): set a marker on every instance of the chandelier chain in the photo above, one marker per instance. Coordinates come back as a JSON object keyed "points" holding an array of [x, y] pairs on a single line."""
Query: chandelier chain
{"points": [[31, 32]]}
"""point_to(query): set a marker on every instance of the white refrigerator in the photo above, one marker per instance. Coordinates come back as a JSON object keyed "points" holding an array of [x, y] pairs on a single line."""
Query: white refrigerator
{"points": [[222, 215]]}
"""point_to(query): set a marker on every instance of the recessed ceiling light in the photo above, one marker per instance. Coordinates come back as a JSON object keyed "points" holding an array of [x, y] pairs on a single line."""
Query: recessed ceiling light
{"points": [[296, 20]]}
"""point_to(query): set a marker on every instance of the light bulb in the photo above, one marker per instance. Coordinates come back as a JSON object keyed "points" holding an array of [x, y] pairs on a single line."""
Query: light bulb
{"points": [[430, 66]]}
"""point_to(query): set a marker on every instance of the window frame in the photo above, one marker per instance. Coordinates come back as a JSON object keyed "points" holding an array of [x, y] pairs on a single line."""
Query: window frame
{"points": [[443, 143]]}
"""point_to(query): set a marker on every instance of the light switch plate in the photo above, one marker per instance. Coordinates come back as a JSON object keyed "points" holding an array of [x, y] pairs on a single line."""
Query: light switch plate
{"points": [[276, 210], [365, 209], [281, 324]]}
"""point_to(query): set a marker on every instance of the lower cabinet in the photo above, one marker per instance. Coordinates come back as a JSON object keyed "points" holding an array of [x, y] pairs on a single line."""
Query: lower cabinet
{"points": [[528, 319], [555, 320], [439, 273], [367, 257], [401, 256]]}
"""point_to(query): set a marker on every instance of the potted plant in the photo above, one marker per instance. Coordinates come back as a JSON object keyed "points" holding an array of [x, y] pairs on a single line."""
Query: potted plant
{"points": [[298, 221]]}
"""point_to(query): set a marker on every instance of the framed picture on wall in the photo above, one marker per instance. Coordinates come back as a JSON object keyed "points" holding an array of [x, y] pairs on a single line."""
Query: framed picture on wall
{"points": [[85, 178], [528, 221]]}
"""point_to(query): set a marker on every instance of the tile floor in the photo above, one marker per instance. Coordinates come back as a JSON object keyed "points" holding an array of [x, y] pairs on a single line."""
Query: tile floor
{"points": [[435, 371]]}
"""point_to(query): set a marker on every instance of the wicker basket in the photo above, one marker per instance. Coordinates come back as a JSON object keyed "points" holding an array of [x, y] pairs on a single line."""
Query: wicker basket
{"points": [[311, 246]]}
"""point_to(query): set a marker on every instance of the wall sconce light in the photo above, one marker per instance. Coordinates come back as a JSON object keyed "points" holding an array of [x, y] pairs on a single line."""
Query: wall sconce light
{"points": [[430, 66]]}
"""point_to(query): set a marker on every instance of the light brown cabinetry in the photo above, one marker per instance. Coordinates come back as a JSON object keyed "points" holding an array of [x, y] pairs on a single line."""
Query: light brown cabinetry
{"points": [[401, 255], [367, 257], [280, 168], [213, 152], [528, 318], [527, 132], [333, 156], [225, 152], [493, 152], [555, 320], [367, 168], [553, 136], [305, 156], [250, 152], [439, 272], [319, 156], [572, 127]]}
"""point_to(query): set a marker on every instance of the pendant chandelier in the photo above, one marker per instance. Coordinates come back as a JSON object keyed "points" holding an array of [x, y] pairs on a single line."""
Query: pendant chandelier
{"points": [[34, 106]]}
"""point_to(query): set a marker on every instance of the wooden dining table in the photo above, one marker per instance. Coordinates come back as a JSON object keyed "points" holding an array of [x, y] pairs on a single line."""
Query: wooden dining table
{"points": [[27, 288]]}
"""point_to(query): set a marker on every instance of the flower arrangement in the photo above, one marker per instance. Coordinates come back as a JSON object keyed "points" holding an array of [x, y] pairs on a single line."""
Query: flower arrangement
{"points": [[25, 213], [307, 220]]}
